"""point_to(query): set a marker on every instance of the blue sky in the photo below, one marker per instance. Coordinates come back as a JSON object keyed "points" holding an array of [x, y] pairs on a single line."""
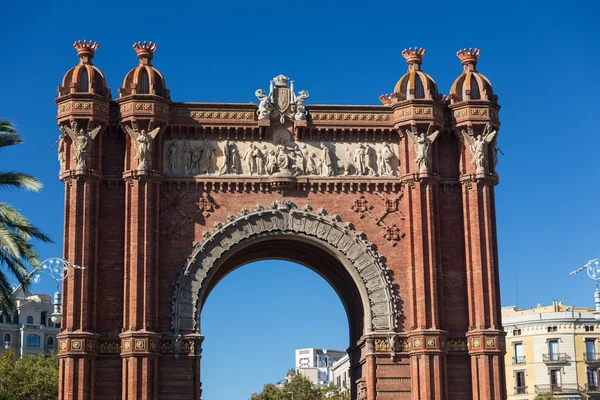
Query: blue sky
{"points": [[542, 58]]}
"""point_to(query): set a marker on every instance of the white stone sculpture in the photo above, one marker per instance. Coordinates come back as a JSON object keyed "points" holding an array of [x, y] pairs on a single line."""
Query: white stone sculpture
{"points": [[254, 160], [82, 141], [271, 162], [281, 101], [367, 156], [300, 107], [142, 142], [479, 148], [231, 160], [422, 143], [172, 157], [385, 163], [61, 143], [326, 162], [348, 163], [265, 107]]}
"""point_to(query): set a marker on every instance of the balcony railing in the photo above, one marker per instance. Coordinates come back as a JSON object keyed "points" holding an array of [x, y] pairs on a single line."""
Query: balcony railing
{"points": [[520, 389], [565, 388], [589, 388], [591, 357], [519, 360], [556, 358]]}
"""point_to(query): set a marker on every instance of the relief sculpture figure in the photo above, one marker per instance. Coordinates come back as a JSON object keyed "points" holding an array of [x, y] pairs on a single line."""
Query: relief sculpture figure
{"points": [[231, 160], [62, 158], [271, 162], [326, 162], [422, 143], [172, 157], [82, 142], [479, 148], [349, 164], [367, 156], [249, 159], [187, 158], [385, 163], [142, 142]]}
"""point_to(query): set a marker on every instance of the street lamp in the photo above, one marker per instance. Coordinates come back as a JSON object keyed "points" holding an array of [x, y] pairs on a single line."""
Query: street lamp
{"points": [[58, 270], [593, 271], [292, 393]]}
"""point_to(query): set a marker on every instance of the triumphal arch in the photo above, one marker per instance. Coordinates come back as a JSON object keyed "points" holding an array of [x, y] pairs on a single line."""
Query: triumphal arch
{"points": [[392, 204]]}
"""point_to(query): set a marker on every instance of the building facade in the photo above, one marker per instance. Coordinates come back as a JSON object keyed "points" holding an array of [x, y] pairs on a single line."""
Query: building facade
{"points": [[392, 204], [340, 373], [315, 364], [28, 329], [552, 349]]}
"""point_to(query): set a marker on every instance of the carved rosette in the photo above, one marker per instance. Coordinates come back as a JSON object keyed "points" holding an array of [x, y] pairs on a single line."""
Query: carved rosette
{"points": [[369, 272]]}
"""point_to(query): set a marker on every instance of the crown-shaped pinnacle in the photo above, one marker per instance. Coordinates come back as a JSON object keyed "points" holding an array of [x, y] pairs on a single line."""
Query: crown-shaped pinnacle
{"points": [[145, 49], [86, 49], [468, 56], [385, 99], [414, 56]]}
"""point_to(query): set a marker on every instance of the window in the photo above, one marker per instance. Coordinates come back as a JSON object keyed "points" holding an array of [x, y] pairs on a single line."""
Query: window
{"points": [[7, 337], [1, 318], [43, 319], [518, 352], [516, 332], [555, 382], [33, 341], [520, 387], [143, 82], [590, 349], [84, 80], [592, 378], [50, 342], [475, 94], [553, 350], [589, 328], [15, 318], [30, 319], [552, 328]]}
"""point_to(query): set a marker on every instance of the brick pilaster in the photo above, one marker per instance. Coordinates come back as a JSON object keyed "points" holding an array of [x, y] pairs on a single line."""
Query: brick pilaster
{"points": [[139, 346]]}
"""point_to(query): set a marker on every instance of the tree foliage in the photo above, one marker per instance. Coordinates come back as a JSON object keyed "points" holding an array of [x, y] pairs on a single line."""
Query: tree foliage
{"points": [[16, 232], [302, 389], [30, 377]]}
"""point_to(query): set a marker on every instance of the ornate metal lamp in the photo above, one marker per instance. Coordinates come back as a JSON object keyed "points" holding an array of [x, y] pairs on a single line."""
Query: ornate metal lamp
{"points": [[58, 270], [593, 270]]}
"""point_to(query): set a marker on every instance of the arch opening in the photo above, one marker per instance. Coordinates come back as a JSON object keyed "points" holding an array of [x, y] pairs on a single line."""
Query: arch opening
{"points": [[265, 314], [344, 258]]}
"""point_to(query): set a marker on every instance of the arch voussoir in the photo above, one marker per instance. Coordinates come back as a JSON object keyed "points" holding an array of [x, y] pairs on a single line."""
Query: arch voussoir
{"points": [[371, 275]]}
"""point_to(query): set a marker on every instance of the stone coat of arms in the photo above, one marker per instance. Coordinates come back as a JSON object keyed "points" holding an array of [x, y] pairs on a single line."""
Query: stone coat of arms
{"points": [[282, 102]]}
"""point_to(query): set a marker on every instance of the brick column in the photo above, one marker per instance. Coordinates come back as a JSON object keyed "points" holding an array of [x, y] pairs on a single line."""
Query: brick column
{"points": [[139, 343], [485, 336], [428, 361], [77, 340]]}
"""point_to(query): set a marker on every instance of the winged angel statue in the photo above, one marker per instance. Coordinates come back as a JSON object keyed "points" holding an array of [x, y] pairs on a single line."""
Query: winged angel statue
{"points": [[422, 142], [478, 146], [143, 145], [82, 141]]}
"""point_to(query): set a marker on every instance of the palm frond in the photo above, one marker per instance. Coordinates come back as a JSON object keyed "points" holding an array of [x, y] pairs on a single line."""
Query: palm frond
{"points": [[20, 180], [13, 220], [8, 134]]}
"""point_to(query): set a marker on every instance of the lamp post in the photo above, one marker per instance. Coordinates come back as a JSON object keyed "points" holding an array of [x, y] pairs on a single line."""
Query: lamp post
{"points": [[292, 393], [593, 270], [58, 270]]}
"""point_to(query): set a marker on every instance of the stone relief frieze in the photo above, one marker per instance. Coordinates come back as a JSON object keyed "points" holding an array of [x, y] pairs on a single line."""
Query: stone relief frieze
{"points": [[267, 158], [372, 276]]}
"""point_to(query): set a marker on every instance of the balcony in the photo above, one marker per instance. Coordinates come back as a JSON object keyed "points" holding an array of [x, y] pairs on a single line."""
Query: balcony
{"points": [[566, 388], [520, 389], [518, 360], [592, 388], [556, 358], [591, 358]]}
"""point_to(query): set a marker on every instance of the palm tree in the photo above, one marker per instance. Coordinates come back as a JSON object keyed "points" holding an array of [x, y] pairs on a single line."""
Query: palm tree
{"points": [[16, 232]]}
